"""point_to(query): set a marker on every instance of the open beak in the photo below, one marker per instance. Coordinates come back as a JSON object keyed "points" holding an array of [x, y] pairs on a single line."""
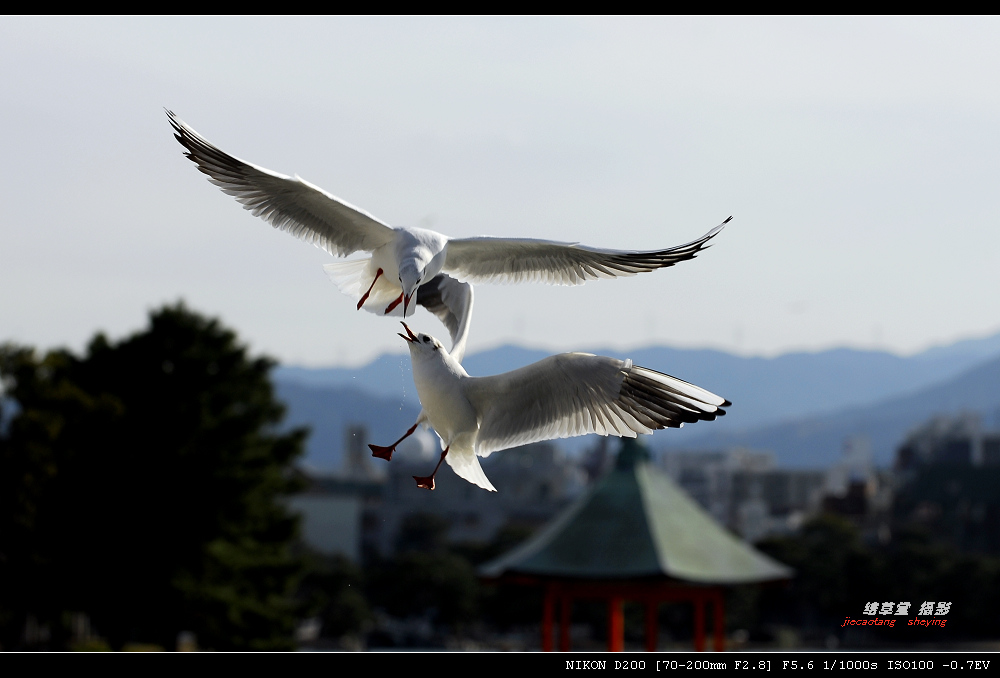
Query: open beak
{"points": [[412, 338]]}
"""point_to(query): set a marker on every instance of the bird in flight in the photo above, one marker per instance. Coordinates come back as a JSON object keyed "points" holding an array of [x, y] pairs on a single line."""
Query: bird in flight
{"points": [[562, 396], [412, 262]]}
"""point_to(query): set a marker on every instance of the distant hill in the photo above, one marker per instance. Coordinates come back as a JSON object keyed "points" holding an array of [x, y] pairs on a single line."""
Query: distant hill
{"points": [[792, 393], [817, 441], [976, 350]]}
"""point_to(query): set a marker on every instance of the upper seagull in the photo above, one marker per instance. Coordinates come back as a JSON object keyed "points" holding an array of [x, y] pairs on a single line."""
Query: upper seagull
{"points": [[570, 394], [436, 268]]}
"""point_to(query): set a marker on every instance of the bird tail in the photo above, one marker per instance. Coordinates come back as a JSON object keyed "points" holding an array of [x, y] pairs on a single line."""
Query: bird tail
{"points": [[465, 464], [355, 276]]}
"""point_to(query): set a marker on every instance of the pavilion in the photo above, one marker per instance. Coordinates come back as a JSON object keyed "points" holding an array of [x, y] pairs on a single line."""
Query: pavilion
{"points": [[634, 535]]}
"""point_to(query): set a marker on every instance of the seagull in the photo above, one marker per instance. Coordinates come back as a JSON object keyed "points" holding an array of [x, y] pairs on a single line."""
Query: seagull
{"points": [[405, 260], [562, 396]]}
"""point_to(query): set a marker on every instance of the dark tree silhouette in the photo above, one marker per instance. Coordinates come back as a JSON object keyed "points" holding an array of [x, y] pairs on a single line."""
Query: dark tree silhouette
{"points": [[142, 484]]}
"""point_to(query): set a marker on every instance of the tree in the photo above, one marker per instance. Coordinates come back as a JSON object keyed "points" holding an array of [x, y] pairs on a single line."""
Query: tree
{"points": [[425, 577], [145, 483], [837, 574], [37, 408], [333, 591], [834, 569]]}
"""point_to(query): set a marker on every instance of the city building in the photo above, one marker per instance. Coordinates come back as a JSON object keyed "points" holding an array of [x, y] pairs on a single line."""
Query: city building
{"points": [[533, 483], [361, 509], [337, 510], [948, 483], [959, 440], [743, 490]]}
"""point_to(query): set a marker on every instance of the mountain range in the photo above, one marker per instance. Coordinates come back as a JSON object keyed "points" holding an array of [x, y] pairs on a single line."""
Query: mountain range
{"points": [[802, 406]]}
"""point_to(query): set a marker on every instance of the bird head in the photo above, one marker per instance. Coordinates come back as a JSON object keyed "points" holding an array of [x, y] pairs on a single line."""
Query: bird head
{"points": [[421, 343], [410, 278]]}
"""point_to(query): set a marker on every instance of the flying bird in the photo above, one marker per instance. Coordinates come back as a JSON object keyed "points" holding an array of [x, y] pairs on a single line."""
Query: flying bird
{"points": [[404, 261], [562, 396]]}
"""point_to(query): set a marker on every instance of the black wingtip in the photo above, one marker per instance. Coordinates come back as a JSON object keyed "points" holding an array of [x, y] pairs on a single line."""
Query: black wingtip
{"points": [[175, 123], [728, 220], [726, 404]]}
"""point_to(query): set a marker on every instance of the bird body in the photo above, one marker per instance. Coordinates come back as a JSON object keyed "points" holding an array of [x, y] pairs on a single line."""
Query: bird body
{"points": [[446, 408], [415, 251], [405, 260], [564, 395]]}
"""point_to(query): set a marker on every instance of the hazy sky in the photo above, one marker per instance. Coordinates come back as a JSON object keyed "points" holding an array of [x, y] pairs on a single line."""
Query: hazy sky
{"points": [[858, 157]]}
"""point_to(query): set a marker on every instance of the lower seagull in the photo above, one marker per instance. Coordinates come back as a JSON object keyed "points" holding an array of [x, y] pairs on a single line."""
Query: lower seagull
{"points": [[565, 395]]}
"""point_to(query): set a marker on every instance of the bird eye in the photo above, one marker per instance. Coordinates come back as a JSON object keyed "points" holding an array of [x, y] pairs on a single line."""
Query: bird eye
{"points": [[426, 339]]}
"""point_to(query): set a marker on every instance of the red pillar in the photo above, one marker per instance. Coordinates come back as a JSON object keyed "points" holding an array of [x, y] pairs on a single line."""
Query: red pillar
{"points": [[652, 630], [565, 608], [720, 622], [616, 625], [549, 601], [699, 622]]}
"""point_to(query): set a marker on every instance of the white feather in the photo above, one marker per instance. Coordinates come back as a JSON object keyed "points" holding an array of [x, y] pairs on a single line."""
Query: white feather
{"points": [[569, 394], [308, 212]]}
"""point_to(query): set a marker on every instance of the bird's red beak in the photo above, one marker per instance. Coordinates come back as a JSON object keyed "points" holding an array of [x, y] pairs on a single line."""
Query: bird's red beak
{"points": [[406, 302], [412, 338]]}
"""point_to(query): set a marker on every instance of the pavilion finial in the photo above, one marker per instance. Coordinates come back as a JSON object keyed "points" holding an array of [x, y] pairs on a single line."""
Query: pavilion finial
{"points": [[631, 452]]}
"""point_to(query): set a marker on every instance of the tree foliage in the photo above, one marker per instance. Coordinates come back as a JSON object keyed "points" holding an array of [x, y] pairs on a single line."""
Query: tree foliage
{"points": [[837, 574], [333, 591], [141, 484]]}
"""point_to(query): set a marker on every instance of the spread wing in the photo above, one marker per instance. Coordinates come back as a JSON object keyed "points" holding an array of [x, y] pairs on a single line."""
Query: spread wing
{"points": [[514, 260], [451, 301], [287, 203], [573, 394]]}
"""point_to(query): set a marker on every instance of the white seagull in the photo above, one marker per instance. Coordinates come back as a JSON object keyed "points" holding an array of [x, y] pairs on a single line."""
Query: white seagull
{"points": [[408, 261], [562, 396]]}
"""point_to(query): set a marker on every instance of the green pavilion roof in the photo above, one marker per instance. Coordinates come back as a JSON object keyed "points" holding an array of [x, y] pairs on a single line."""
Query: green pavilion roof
{"points": [[635, 523]]}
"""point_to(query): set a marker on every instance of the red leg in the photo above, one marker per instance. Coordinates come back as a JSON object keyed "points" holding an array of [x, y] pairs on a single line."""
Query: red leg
{"points": [[365, 298], [427, 482], [386, 452], [394, 304]]}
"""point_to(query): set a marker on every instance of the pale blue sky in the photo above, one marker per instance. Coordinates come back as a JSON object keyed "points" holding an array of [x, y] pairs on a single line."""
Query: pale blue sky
{"points": [[858, 157]]}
